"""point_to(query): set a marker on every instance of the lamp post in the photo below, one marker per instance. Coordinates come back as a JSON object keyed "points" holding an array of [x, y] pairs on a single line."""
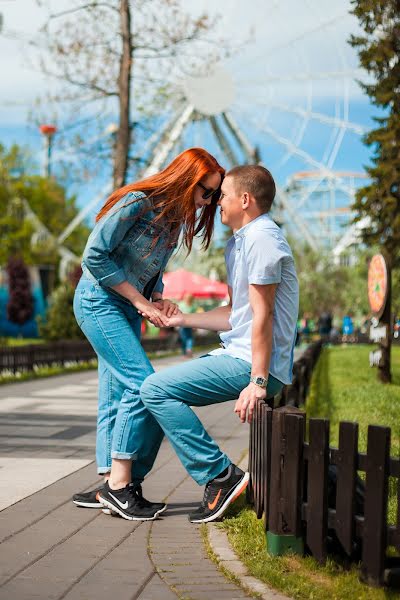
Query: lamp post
{"points": [[48, 132]]}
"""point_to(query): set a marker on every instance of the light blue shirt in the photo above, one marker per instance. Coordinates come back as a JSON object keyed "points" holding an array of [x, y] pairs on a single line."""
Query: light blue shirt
{"points": [[258, 253]]}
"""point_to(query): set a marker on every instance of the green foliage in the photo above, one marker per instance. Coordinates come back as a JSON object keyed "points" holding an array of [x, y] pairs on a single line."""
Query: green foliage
{"points": [[60, 323], [325, 286], [379, 51], [21, 191]]}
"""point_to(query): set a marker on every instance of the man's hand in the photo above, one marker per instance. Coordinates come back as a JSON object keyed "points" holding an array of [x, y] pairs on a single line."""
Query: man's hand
{"points": [[247, 401], [177, 320], [167, 307]]}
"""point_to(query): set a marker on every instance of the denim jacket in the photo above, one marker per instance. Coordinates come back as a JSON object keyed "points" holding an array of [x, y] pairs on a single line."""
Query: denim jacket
{"points": [[120, 245]]}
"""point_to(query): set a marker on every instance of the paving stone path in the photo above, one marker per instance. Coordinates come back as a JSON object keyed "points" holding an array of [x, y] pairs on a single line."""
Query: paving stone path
{"points": [[50, 549]]}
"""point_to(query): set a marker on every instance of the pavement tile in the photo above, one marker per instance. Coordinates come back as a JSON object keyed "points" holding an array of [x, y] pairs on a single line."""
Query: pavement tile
{"points": [[60, 550], [156, 589]]}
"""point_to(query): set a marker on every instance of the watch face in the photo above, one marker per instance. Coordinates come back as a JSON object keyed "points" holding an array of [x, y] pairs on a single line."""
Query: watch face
{"points": [[259, 381]]}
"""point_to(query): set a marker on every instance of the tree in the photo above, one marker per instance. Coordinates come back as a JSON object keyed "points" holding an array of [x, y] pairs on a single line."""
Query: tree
{"points": [[20, 303], [115, 62], [379, 52], [22, 192]]}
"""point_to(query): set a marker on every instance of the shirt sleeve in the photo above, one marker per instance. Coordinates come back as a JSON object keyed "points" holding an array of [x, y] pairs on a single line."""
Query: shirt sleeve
{"points": [[107, 234], [228, 265], [263, 258]]}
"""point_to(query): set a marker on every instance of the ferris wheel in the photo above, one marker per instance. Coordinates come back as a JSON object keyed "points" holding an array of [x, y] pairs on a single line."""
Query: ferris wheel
{"points": [[284, 99]]}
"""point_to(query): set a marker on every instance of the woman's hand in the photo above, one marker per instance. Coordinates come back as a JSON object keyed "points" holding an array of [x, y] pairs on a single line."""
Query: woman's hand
{"points": [[167, 307], [149, 311]]}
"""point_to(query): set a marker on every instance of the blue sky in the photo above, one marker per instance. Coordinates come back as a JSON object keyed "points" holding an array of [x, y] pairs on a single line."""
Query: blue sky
{"points": [[294, 79]]}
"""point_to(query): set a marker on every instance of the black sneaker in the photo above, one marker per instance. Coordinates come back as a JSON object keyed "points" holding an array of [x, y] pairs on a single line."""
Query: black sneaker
{"points": [[160, 507], [88, 499], [218, 495], [129, 503]]}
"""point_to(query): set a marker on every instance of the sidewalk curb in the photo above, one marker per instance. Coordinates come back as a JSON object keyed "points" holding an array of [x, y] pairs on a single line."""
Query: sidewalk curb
{"points": [[218, 540]]}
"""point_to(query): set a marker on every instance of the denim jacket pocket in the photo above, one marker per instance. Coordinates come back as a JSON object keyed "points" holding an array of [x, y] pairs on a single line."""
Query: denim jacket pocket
{"points": [[144, 234]]}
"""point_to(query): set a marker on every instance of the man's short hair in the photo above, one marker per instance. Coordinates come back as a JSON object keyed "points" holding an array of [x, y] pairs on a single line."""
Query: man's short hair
{"points": [[256, 180]]}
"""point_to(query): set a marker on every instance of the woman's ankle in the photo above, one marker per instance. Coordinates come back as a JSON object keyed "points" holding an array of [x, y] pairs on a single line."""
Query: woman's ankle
{"points": [[117, 484]]}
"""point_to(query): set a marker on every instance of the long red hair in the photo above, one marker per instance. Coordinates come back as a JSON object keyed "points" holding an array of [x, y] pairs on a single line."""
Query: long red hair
{"points": [[172, 194]]}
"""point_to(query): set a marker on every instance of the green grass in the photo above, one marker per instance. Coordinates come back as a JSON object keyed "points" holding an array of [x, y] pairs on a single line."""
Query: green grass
{"points": [[8, 341], [48, 372], [344, 387]]}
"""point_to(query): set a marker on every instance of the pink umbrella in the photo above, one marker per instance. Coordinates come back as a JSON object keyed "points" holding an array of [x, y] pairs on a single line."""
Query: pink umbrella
{"points": [[181, 282]]}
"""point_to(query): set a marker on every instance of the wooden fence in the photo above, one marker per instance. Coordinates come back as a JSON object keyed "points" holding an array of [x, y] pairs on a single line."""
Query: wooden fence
{"points": [[312, 492], [25, 358]]}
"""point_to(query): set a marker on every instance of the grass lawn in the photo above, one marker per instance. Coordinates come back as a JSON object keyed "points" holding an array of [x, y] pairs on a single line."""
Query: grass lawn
{"points": [[21, 341], [344, 387]]}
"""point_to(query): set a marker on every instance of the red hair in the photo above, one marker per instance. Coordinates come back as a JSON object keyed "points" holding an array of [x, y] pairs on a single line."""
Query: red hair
{"points": [[172, 192]]}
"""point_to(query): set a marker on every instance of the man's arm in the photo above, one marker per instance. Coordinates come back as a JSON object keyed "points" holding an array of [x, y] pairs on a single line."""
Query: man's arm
{"points": [[262, 300], [216, 319]]}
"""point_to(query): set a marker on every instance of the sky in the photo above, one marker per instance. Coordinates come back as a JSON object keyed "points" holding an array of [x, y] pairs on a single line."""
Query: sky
{"points": [[295, 94]]}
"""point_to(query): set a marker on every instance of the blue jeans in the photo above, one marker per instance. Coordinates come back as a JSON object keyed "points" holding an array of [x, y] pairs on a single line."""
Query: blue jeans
{"points": [[125, 428], [169, 394]]}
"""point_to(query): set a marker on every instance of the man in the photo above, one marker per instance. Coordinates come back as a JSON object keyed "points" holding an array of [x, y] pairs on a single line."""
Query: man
{"points": [[258, 336]]}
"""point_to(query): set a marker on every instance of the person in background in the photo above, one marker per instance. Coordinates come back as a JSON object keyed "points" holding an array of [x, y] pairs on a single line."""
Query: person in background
{"points": [[347, 328], [186, 333], [325, 325]]}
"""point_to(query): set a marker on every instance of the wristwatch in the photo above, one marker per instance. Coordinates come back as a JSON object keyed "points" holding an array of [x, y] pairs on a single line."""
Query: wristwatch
{"points": [[260, 381]]}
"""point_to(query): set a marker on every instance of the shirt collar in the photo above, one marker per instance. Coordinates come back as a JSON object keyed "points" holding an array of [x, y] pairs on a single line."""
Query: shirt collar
{"points": [[243, 230]]}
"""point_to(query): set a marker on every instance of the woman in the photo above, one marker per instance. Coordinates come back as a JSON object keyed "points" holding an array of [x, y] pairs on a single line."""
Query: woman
{"points": [[135, 234]]}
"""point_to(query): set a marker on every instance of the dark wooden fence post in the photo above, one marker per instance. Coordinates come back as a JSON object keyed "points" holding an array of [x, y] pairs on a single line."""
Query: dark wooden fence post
{"points": [[376, 493], [252, 434], [317, 488], [346, 461], [259, 458], [266, 412], [285, 500]]}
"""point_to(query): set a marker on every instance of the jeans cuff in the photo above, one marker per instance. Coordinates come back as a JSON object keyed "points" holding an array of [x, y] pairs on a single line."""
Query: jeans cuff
{"points": [[103, 470], [204, 477], [123, 455]]}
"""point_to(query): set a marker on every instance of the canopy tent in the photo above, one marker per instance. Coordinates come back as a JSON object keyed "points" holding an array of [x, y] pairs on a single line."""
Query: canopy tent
{"points": [[181, 282]]}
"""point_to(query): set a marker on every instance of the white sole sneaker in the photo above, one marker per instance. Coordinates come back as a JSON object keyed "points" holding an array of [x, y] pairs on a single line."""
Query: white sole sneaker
{"points": [[239, 488], [114, 509]]}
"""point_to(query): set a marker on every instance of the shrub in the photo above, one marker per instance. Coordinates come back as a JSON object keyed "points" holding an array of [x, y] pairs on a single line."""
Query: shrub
{"points": [[20, 303]]}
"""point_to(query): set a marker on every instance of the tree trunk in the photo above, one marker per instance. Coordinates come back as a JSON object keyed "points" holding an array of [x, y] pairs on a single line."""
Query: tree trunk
{"points": [[384, 369], [123, 136]]}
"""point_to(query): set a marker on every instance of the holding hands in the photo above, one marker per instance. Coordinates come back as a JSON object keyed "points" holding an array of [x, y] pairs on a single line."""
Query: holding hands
{"points": [[159, 312], [167, 307]]}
